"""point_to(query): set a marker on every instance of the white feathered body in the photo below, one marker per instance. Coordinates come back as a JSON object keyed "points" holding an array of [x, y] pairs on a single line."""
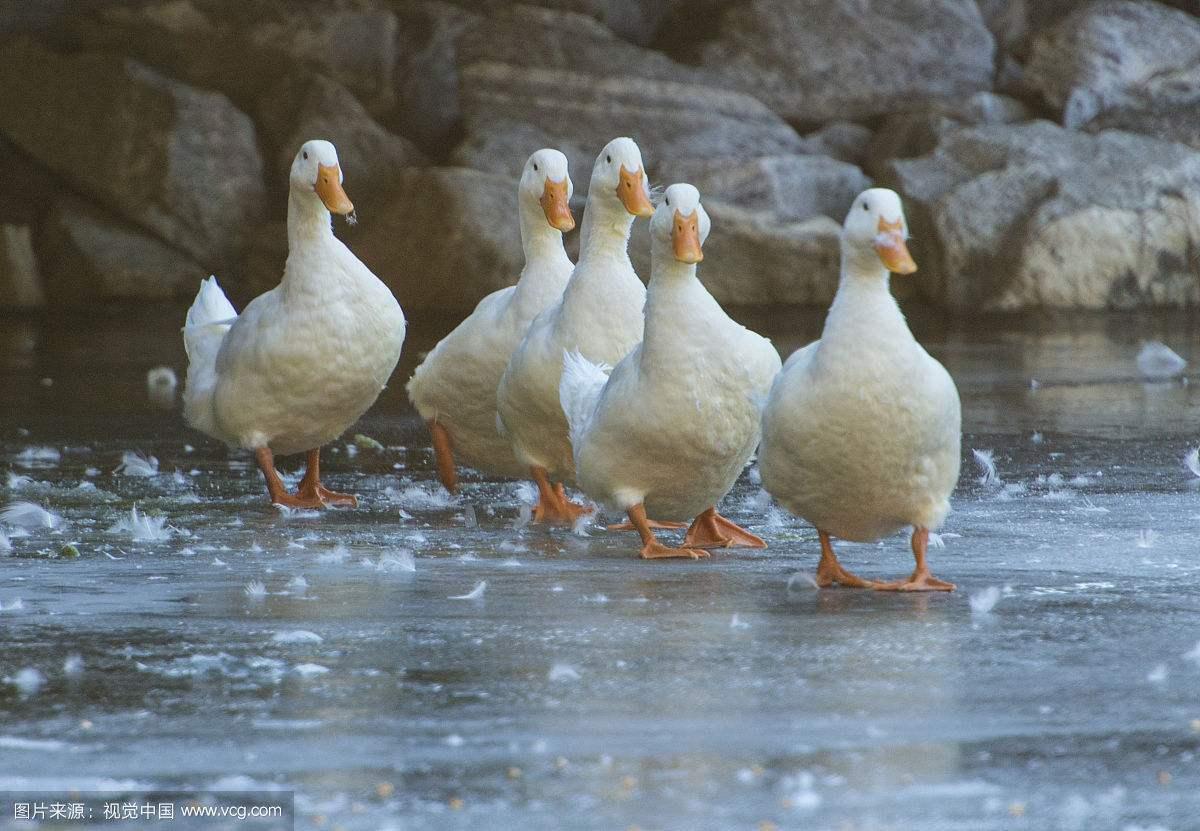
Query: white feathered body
{"points": [[862, 429], [303, 361], [679, 417], [600, 316], [456, 383]]}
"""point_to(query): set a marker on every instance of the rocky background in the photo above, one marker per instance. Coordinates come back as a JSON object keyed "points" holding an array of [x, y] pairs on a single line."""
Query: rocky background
{"points": [[1048, 150]]}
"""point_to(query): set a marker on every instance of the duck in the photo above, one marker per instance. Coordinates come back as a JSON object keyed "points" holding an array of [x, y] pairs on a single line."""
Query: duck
{"points": [[454, 388], [862, 430], [599, 316], [305, 360], [672, 427]]}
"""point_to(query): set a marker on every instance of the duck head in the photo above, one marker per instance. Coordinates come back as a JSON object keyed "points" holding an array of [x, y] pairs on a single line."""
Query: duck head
{"points": [[546, 186], [619, 180], [876, 228], [316, 175], [680, 225]]}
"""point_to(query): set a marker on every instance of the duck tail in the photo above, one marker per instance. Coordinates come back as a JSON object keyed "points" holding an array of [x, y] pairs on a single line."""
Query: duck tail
{"points": [[579, 391], [209, 318]]}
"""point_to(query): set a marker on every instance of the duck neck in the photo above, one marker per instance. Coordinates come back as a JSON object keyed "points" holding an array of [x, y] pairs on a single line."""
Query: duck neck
{"points": [[864, 306], [606, 226], [545, 257], [669, 298], [310, 228]]}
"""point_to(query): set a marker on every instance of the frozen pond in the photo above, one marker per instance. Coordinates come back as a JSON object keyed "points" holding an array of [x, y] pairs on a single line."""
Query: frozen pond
{"points": [[585, 689]]}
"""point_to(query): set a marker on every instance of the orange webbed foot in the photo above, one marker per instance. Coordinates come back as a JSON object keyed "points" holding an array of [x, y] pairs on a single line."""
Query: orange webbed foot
{"points": [[341, 500], [658, 551], [559, 511], [830, 571], [652, 523], [916, 583], [711, 530]]}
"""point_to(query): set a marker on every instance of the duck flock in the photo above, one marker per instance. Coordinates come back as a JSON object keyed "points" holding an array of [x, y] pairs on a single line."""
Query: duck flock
{"points": [[651, 400]]}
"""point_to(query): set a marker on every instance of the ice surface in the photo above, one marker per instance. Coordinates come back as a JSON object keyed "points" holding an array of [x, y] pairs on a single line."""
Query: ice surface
{"points": [[591, 690]]}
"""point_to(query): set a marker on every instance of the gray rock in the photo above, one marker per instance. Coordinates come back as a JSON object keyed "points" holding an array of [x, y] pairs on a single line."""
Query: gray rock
{"points": [[442, 238], [572, 80], [755, 257], [180, 162], [504, 147], [836, 59], [90, 255], [843, 140], [1014, 217], [20, 282], [792, 188], [1113, 55], [299, 109]]}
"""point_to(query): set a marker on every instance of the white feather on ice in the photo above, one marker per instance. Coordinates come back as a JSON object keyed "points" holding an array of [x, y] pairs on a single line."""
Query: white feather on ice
{"points": [[296, 636], [1192, 461], [563, 672], [983, 601], [255, 591], [38, 457], [29, 515], [134, 463], [986, 459], [143, 527], [1158, 362], [474, 594]]}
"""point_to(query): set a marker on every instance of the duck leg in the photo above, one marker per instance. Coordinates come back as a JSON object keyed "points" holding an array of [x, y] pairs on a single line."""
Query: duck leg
{"points": [[553, 507], [275, 488], [711, 530], [830, 571], [920, 580], [443, 451], [311, 487], [652, 549], [653, 523]]}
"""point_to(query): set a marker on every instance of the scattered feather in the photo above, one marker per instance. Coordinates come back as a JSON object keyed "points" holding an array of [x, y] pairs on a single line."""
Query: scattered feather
{"points": [[16, 606], [416, 498], [736, 622], [296, 636], [1192, 461], [1158, 675], [28, 681], [398, 561], [297, 585], [143, 527], [1089, 507], [38, 457], [73, 665], [161, 384], [1194, 654], [1037, 438], [524, 516], [5, 544], [987, 468], [563, 672], [474, 594], [469, 517], [256, 591], [984, 600], [339, 554], [799, 580], [217, 561], [1158, 362], [29, 515], [134, 463], [16, 481], [1147, 538], [581, 524], [309, 670]]}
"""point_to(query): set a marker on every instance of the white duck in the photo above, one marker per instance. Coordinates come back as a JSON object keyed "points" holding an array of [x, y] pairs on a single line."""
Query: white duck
{"points": [[304, 360], [862, 430], [454, 388], [600, 315], [674, 425]]}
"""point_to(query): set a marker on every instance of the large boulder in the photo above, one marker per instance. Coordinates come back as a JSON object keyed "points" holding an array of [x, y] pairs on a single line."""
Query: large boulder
{"points": [[90, 255], [821, 60], [792, 188], [570, 79], [1015, 217], [20, 282], [180, 162], [1114, 55], [442, 237], [313, 106]]}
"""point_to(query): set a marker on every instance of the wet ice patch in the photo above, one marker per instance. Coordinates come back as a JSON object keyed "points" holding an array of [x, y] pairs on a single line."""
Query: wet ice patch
{"points": [[1158, 362], [143, 527], [135, 463], [986, 460], [296, 636], [29, 515], [474, 594]]}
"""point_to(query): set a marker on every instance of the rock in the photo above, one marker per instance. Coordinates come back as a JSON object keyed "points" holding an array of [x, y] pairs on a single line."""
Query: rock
{"points": [[443, 237], [569, 78], [180, 162], [755, 257], [1112, 55], [299, 109], [840, 59], [792, 188], [20, 283], [1169, 120], [1015, 217], [843, 140], [90, 255], [504, 147]]}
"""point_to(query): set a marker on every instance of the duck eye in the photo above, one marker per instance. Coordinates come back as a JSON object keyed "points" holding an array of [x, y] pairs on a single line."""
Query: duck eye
{"points": [[608, 159], [306, 155], [866, 207], [668, 201], [535, 166]]}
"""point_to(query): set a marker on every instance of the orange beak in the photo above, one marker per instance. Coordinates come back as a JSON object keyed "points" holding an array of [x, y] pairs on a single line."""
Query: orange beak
{"points": [[685, 238], [892, 249], [554, 204], [329, 188], [632, 193]]}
